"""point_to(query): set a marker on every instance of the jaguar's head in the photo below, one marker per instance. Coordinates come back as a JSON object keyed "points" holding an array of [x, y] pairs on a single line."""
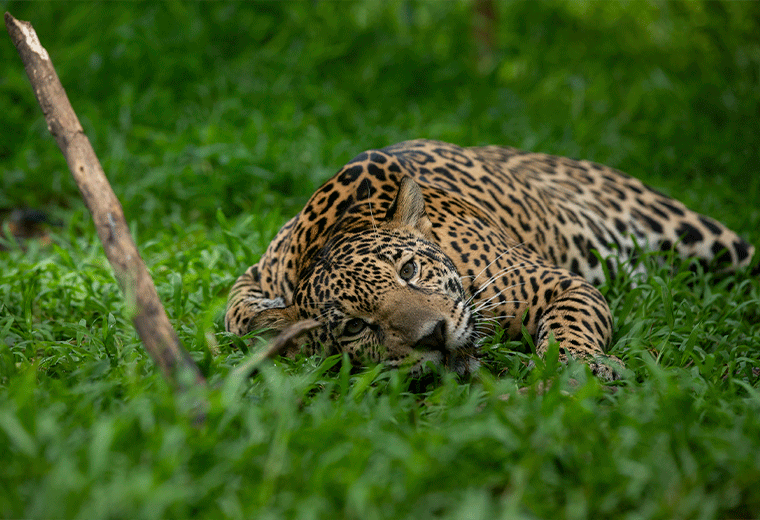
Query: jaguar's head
{"points": [[386, 293]]}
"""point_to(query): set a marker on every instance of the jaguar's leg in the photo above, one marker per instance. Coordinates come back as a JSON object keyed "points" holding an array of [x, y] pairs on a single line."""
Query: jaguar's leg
{"points": [[246, 301], [579, 318]]}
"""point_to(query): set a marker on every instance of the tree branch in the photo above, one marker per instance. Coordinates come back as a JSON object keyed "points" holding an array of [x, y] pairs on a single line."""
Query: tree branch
{"points": [[149, 317]]}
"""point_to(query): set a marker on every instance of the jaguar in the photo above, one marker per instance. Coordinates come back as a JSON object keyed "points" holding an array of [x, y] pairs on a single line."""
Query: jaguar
{"points": [[414, 253]]}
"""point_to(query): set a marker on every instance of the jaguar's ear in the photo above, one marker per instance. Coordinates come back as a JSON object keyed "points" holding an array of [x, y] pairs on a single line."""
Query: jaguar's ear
{"points": [[288, 341], [276, 319], [408, 208], [289, 332]]}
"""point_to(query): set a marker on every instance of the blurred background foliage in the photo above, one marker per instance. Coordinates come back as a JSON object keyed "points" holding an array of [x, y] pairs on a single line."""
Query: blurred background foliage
{"points": [[193, 107]]}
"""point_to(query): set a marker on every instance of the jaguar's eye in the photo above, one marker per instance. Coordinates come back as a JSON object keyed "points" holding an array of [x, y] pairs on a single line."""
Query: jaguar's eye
{"points": [[354, 326], [408, 270]]}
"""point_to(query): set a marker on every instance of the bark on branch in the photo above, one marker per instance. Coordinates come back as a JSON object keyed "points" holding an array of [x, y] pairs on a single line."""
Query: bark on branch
{"points": [[149, 316]]}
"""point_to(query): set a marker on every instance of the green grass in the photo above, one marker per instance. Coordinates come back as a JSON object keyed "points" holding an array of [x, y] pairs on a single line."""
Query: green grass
{"points": [[215, 122]]}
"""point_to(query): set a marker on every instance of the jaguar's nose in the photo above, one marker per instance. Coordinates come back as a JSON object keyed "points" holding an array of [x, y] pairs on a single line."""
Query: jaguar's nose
{"points": [[435, 339]]}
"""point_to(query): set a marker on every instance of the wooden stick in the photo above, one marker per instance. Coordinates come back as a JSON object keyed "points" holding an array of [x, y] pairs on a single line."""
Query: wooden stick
{"points": [[148, 315], [286, 339]]}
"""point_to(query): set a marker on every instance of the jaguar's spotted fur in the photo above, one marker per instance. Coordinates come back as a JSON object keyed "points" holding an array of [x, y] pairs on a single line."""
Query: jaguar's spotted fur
{"points": [[409, 254]]}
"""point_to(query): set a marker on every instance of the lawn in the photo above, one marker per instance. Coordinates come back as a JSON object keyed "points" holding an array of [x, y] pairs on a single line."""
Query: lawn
{"points": [[215, 122]]}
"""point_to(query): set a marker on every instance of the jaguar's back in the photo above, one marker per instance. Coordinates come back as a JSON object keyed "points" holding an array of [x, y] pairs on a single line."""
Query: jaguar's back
{"points": [[563, 208]]}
